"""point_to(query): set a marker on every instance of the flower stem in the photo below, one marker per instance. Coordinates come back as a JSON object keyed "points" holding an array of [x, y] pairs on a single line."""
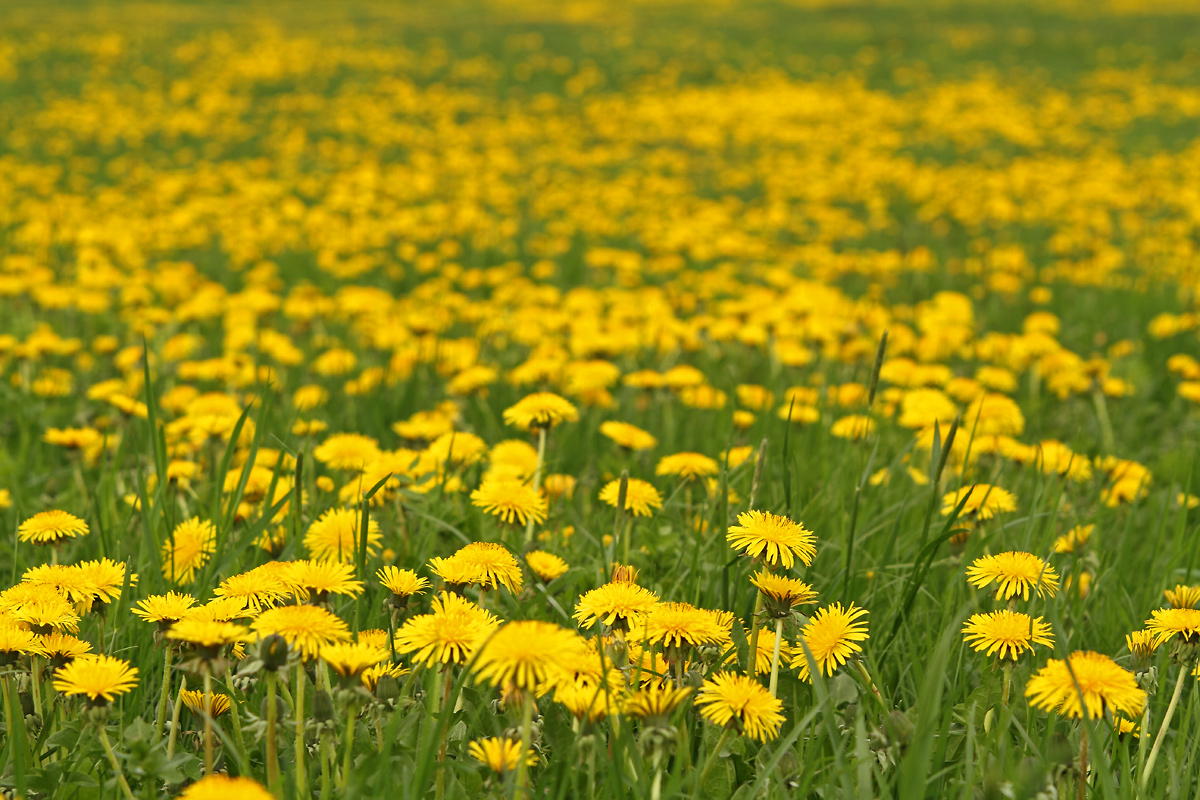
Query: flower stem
{"points": [[775, 657], [752, 658], [348, 756], [537, 478], [447, 685], [1083, 762], [272, 752], [1008, 668], [1162, 729], [116, 765], [866, 676], [208, 717], [161, 718], [523, 790], [301, 772], [711, 760], [175, 718]]}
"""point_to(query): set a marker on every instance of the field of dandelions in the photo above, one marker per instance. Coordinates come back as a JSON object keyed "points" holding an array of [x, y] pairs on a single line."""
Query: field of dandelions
{"points": [[599, 399]]}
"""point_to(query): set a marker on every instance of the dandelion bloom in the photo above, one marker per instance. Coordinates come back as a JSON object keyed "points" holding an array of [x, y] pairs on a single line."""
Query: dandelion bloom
{"points": [[628, 436], [1014, 573], [773, 538], [72, 438], [546, 566], [188, 549], [525, 654], [307, 628], [207, 633], [1168, 623], [641, 498], [448, 635], [61, 648], [832, 635], [616, 604], [194, 700], [784, 591], [732, 700], [347, 451], [164, 608], [512, 500], [96, 677], [352, 659], [1074, 539], [1006, 633], [682, 625], [15, 640], [222, 787], [540, 410], [51, 527], [335, 536], [687, 465], [501, 755], [260, 588], [322, 578], [655, 702], [402, 583], [853, 427], [488, 564], [985, 501], [1141, 644], [1183, 596], [1103, 684]]}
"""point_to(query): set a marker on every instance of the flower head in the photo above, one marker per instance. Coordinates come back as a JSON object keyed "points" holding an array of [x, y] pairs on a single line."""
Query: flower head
{"points": [[164, 608], [628, 436], [540, 410], [783, 593], [984, 501], [1006, 633], [832, 635], [774, 539], [51, 527], [1086, 683], [308, 628], [488, 564], [347, 451], [641, 498], [450, 634], [510, 499], [194, 700], [524, 654], [739, 701], [616, 605], [655, 702], [219, 786], [334, 535], [500, 755], [402, 583], [352, 659], [319, 579], [96, 676], [188, 549], [1168, 623], [1074, 539], [546, 566], [205, 633], [1014, 573], [687, 465], [1183, 596], [682, 625]]}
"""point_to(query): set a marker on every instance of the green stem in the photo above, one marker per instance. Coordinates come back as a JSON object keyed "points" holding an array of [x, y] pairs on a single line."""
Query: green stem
{"points": [[301, 771], [523, 790], [208, 720], [775, 657], [711, 760], [1008, 668], [116, 765], [537, 478], [1083, 762], [866, 676], [348, 756], [175, 718], [1162, 729], [272, 752], [752, 658], [161, 717]]}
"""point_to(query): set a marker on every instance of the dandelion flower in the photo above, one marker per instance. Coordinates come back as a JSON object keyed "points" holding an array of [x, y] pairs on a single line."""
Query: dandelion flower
{"points": [[1183, 596], [546, 566], [1074, 539], [96, 676], [687, 465], [488, 564], [501, 755], [616, 605], [773, 538], [1014, 573], [219, 786], [1141, 644], [319, 579], [207, 634], [188, 549], [655, 703], [985, 501], [194, 700], [402, 583], [681, 625], [450, 634], [15, 640], [524, 654], [783, 592], [335, 536], [347, 451], [853, 427], [1103, 684], [540, 410], [260, 588], [738, 701], [641, 498], [51, 527], [631, 437], [832, 635], [61, 648], [164, 608], [307, 628], [352, 659], [1168, 623], [1006, 633], [513, 501]]}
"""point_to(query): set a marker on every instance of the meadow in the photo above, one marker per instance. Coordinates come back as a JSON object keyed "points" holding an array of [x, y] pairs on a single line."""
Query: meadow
{"points": [[600, 399]]}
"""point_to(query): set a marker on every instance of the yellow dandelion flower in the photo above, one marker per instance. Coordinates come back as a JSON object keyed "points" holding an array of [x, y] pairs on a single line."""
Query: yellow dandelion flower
{"points": [[501, 755], [641, 498], [774, 539], [51, 527], [1104, 686], [985, 501], [1183, 596], [352, 659], [766, 651], [1006, 633], [525, 654], [207, 634], [188, 549], [335, 535], [1014, 573], [832, 635], [488, 564], [681, 625], [687, 465], [306, 628], [317, 580], [1141, 644], [402, 583], [194, 700], [618, 605], [853, 427], [260, 588], [1169, 623], [546, 566], [654, 703], [1074, 539], [631, 437], [450, 634], [97, 677], [540, 410], [347, 451], [164, 608], [738, 701], [513, 501], [219, 786], [784, 591]]}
